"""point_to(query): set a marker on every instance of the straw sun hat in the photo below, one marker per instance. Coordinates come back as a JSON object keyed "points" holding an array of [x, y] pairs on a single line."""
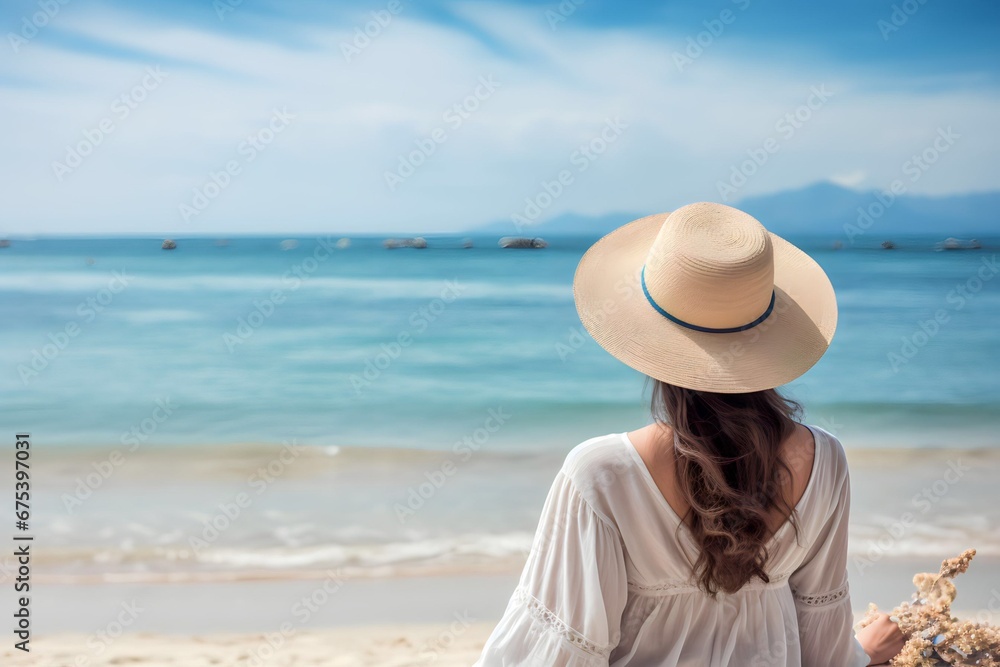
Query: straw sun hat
{"points": [[706, 298]]}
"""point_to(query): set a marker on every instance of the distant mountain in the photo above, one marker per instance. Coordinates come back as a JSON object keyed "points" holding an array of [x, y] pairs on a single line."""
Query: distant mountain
{"points": [[821, 209], [825, 208]]}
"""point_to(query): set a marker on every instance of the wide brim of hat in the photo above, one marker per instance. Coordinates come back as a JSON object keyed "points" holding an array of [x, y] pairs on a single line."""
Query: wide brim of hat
{"points": [[614, 310]]}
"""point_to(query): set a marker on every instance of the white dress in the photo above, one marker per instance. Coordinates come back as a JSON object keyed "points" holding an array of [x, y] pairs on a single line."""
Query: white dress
{"points": [[608, 580]]}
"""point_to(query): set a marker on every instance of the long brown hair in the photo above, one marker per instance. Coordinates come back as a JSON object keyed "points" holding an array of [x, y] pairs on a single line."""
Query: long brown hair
{"points": [[730, 474]]}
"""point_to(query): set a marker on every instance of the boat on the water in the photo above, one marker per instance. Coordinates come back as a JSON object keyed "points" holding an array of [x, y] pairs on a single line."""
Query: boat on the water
{"points": [[168, 244], [522, 242], [951, 243], [343, 244], [888, 245], [289, 244], [416, 242], [4, 243]]}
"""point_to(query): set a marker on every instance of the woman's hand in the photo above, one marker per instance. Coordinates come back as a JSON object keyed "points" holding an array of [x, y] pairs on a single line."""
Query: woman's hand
{"points": [[881, 640]]}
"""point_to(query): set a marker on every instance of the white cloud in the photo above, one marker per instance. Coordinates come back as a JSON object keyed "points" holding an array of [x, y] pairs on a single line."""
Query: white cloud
{"points": [[849, 179], [353, 121]]}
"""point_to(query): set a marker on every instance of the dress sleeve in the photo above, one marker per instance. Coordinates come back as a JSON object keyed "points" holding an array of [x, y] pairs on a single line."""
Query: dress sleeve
{"points": [[820, 589], [566, 610]]}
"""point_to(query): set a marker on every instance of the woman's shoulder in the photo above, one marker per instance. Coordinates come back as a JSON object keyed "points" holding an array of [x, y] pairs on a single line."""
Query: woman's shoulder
{"points": [[598, 469], [829, 477], [596, 457], [829, 454]]}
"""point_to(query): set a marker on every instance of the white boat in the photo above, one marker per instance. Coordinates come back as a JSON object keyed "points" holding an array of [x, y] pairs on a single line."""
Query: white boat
{"points": [[951, 243]]}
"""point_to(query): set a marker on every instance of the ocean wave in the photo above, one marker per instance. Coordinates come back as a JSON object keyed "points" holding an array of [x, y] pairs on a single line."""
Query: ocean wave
{"points": [[157, 315], [469, 553], [84, 282], [925, 539]]}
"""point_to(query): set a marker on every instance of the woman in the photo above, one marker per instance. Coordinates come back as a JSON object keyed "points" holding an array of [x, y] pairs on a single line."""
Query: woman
{"points": [[718, 534]]}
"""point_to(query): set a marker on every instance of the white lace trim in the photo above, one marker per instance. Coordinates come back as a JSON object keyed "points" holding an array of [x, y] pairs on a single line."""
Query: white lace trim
{"points": [[670, 587], [823, 599], [663, 588], [556, 625]]}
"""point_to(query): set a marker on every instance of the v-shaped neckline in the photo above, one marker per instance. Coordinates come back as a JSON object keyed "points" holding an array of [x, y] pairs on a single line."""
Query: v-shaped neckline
{"points": [[678, 521]]}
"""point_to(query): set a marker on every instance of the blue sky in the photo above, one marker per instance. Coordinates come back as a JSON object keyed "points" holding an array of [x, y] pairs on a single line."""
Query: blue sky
{"points": [[232, 116]]}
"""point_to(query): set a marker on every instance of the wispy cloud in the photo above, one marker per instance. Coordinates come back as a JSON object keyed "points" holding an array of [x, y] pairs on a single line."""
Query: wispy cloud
{"points": [[353, 120]]}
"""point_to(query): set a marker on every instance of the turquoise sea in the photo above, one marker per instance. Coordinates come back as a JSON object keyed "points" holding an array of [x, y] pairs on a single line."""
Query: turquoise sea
{"points": [[371, 369]]}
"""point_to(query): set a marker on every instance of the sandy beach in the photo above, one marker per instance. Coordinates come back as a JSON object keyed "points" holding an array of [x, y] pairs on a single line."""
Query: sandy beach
{"points": [[390, 622], [372, 646], [375, 646]]}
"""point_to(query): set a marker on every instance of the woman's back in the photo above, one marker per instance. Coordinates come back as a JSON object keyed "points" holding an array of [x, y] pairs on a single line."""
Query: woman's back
{"points": [[654, 443], [609, 578]]}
